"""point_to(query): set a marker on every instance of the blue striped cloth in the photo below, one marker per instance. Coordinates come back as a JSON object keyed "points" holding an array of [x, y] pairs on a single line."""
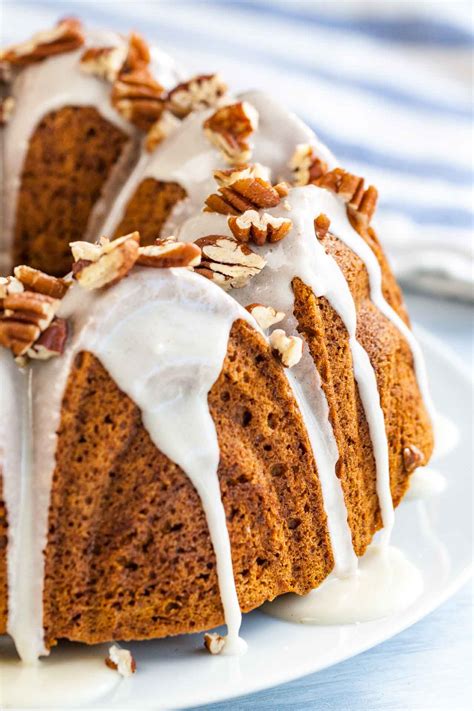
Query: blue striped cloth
{"points": [[387, 85]]}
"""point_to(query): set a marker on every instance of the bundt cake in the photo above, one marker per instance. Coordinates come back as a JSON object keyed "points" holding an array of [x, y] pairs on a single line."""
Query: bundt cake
{"points": [[191, 425]]}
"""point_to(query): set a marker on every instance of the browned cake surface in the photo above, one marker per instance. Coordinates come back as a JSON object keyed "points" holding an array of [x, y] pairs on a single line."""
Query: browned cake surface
{"points": [[406, 420], [129, 555], [149, 208], [69, 159], [3, 561]]}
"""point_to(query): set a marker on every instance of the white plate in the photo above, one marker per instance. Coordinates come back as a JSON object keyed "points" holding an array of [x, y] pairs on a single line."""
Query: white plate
{"points": [[435, 534]]}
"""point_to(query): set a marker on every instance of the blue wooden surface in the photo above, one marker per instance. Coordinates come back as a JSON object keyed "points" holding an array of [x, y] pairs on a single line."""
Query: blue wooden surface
{"points": [[428, 667]]}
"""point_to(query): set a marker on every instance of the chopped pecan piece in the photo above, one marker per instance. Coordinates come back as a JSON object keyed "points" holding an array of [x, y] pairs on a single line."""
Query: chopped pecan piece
{"points": [[103, 62], [169, 253], [110, 263], [17, 336], [289, 348], [201, 92], [138, 53], [161, 129], [138, 97], [10, 285], [226, 262], [35, 280], [321, 225], [244, 194], [412, 458], [265, 316], [121, 660], [305, 165], [364, 211], [7, 106], [213, 642], [65, 37], [225, 178], [51, 342], [229, 128], [253, 227]]}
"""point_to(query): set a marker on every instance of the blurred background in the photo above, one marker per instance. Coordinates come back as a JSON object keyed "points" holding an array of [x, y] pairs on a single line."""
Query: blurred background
{"points": [[388, 86]]}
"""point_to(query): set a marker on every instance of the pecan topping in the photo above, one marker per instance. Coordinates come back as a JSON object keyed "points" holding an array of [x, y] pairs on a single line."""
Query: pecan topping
{"points": [[25, 316], [289, 348], [412, 458], [161, 129], [306, 166], [138, 97], [103, 62], [251, 226], [226, 262], [360, 203], [7, 106], [169, 253], [201, 92], [121, 660], [321, 225], [51, 342], [229, 129], [244, 194], [138, 53], [65, 37], [213, 642], [265, 316], [34, 280], [225, 178], [107, 264]]}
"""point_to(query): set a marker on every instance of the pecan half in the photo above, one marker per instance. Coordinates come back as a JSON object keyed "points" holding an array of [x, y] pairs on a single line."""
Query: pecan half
{"points": [[111, 262], [229, 129], [138, 97], [25, 316], [289, 348], [412, 458], [169, 253], [321, 225], [35, 280], [305, 165], [253, 227], [65, 37], [103, 62], [225, 178], [242, 195], [226, 262], [51, 342], [265, 316], [213, 642], [360, 203], [201, 92], [161, 129]]}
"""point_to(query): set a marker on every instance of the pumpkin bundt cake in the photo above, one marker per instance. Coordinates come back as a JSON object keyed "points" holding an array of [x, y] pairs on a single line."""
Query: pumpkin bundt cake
{"points": [[191, 425]]}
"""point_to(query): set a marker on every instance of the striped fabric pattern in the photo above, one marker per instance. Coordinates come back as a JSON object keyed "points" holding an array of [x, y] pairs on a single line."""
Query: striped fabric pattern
{"points": [[387, 85]]}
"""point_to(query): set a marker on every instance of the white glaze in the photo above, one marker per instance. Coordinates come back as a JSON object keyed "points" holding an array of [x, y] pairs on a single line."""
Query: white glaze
{"points": [[425, 482], [188, 158], [173, 326], [50, 85], [385, 583], [301, 254], [73, 676]]}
